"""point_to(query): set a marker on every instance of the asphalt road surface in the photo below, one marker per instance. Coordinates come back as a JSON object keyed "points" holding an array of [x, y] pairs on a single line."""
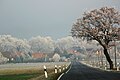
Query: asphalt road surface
{"points": [[79, 71]]}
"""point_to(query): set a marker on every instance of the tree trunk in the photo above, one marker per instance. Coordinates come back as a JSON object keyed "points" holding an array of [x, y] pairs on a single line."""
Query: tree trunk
{"points": [[108, 58]]}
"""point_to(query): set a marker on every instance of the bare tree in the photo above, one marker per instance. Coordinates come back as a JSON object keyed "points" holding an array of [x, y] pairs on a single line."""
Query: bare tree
{"points": [[102, 25]]}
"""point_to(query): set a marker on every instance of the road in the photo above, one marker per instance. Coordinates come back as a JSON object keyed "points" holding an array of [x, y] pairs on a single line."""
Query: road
{"points": [[80, 71]]}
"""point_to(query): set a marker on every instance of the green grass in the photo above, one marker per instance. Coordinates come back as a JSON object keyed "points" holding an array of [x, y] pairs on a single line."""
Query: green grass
{"points": [[18, 76]]}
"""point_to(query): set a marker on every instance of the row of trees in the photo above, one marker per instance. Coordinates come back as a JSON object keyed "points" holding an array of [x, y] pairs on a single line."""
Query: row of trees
{"points": [[22, 49], [36, 44]]}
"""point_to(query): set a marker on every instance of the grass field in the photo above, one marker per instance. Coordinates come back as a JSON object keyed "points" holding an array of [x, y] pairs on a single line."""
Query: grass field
{"points": [[29, 71], [18, 76]]}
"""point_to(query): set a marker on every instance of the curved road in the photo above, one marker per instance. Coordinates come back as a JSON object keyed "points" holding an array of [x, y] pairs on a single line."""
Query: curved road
{"points": [[80, 71]]}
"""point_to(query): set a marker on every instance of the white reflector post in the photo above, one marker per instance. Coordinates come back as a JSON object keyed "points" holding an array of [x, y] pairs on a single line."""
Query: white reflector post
{"points": [[105, 66], [55, 68], [45, 71], [63, 68], [59, 68], [66, 66], [117, 66]]}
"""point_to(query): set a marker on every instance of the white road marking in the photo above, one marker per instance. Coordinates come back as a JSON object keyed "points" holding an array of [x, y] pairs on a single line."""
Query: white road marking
{"points": [[63, 73], [68, 70], [60, 76]]}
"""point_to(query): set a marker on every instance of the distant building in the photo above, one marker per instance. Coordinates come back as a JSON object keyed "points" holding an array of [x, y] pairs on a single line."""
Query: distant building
{"points": [[38, 55]]}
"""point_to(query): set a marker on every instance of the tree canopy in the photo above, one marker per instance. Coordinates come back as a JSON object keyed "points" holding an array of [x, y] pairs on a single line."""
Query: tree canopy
{"points": [[102, 25]]}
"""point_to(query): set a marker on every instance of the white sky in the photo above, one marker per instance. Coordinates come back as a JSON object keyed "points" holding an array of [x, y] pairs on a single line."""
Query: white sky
{"points": [[27, 18]]}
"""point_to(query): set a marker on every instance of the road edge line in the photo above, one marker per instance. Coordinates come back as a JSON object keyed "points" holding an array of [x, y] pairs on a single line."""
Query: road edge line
{"points": [[60, 76], [68, 70], [64, 73]]}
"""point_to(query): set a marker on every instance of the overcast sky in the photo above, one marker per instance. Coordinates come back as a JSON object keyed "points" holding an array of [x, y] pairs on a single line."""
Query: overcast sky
{"points": [[28, 18]]}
